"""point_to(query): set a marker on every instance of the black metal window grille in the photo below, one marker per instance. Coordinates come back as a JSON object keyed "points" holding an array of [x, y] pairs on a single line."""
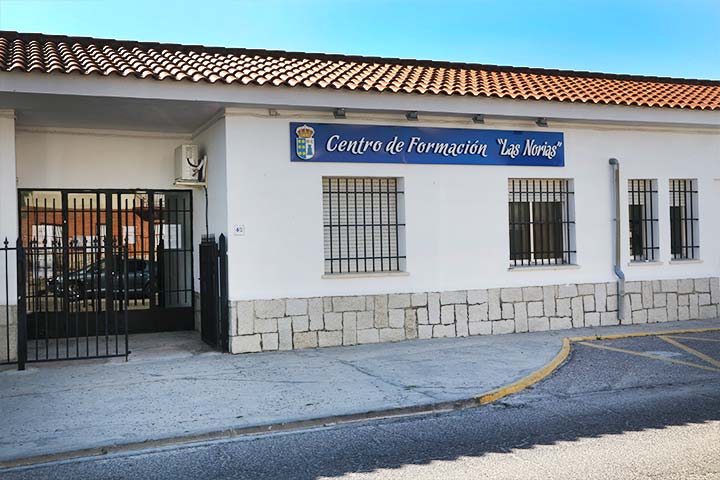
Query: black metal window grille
{"points": [[541, 221], [684, 233], [643, 220], [363, 220]]}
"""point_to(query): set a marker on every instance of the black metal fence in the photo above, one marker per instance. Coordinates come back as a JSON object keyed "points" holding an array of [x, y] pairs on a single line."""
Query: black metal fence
{"points": [[214, 292], [77, 299], [90, 264], [43, 319], [69, 229]]}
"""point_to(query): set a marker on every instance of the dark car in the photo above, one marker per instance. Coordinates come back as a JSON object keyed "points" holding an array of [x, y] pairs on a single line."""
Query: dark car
{"points": [[91, 280]]}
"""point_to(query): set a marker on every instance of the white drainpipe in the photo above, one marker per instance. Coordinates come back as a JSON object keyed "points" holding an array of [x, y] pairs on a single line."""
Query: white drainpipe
{"points": [[618, 270]]}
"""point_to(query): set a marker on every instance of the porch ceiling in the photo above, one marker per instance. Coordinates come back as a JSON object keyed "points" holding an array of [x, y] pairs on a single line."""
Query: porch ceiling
{"points": [[70, 111]]}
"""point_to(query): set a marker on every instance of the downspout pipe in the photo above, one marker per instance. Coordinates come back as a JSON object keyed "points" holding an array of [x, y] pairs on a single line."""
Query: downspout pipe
{"points": [[615, 165]]}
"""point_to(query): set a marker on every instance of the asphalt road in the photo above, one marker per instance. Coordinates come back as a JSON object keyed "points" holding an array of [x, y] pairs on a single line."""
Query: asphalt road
{"points": [[648, 410]]}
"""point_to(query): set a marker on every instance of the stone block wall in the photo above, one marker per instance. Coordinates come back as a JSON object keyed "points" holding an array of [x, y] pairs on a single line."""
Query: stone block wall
{"points": [[672, 300], [8, 333], [296, 323]]}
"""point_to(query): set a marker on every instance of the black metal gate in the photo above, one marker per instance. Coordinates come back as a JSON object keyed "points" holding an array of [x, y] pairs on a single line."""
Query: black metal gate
{"points": [[214, 292], [100, 264], [63, 332]]}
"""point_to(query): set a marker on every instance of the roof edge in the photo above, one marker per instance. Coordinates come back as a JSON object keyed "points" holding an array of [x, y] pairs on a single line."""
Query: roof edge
{"points": [[13, 35]]}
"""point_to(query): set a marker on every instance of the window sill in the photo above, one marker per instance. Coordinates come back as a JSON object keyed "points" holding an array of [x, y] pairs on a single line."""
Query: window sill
{"points": [[645, 264], [685, 261], [338, 276], [529, 268]]}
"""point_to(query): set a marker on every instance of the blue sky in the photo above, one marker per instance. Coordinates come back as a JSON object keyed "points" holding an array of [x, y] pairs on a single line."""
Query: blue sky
{"points": [[661, 37]]}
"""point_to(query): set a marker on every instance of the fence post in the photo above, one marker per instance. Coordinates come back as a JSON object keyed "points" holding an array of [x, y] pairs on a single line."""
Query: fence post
{"points": [[208, 290], [21, 305], [160, 278], [7, 307], [126, 298], [224, 325]]}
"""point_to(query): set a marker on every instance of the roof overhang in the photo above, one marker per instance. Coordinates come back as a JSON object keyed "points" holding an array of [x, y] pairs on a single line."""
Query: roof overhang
{"points": [[129, 103]]}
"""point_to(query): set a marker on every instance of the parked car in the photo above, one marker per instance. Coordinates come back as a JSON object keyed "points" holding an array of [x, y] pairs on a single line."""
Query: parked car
{"points": [[87, 282]]}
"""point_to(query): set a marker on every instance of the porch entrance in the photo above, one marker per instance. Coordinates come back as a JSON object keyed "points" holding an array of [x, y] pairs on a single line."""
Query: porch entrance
{"points": [[100, 264]]}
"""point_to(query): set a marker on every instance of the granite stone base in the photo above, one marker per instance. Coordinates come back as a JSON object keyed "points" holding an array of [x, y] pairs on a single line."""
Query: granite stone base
{"points": [[297, 323]]}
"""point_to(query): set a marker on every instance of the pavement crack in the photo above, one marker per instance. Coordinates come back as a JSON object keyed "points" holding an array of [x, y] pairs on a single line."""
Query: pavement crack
{"points": [[375, 376]]}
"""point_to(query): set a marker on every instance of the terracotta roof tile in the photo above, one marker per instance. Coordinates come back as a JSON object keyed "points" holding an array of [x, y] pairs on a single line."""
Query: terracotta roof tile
{"points": [[25, 52]]}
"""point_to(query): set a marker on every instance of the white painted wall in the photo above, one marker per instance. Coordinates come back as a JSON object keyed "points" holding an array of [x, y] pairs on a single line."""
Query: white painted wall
{"points": [[72, 158], [95, 159], [674, 155], [212, 142], [456, 215], [457, 231]]}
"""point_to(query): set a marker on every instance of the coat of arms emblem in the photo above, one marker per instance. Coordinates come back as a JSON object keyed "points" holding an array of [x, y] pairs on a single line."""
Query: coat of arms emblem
{"points": [[304, 142]]}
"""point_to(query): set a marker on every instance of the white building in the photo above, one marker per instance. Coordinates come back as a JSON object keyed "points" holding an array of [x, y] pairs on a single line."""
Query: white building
{"points": [[471, 239]]}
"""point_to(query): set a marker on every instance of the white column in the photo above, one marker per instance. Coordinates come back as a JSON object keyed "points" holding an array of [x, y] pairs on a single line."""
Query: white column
{"points": [[8, 177], [9, 230]]}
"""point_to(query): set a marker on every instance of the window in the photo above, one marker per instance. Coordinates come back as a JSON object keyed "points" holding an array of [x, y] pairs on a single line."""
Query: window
{"points": [[171, 236], [128, 234], [364, 227], [47, 235], [542, 221], [102, 236], [684, 234], [642, 215]]}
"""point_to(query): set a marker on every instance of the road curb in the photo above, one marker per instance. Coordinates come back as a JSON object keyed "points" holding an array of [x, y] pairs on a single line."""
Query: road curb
{"points": [[642, 334], [531, 379], [231, 433], [441, 407], [562, 355]]}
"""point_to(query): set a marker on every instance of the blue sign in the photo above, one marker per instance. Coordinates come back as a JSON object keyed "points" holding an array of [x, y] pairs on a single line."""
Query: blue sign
{"points": [[332, 142]]}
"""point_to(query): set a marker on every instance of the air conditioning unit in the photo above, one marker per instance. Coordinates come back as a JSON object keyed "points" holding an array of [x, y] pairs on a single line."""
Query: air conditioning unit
{"points": [[190, 169]]}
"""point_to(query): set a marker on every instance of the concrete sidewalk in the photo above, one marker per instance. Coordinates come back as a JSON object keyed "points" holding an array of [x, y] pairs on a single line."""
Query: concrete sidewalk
{"points": [[60, 408]]}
